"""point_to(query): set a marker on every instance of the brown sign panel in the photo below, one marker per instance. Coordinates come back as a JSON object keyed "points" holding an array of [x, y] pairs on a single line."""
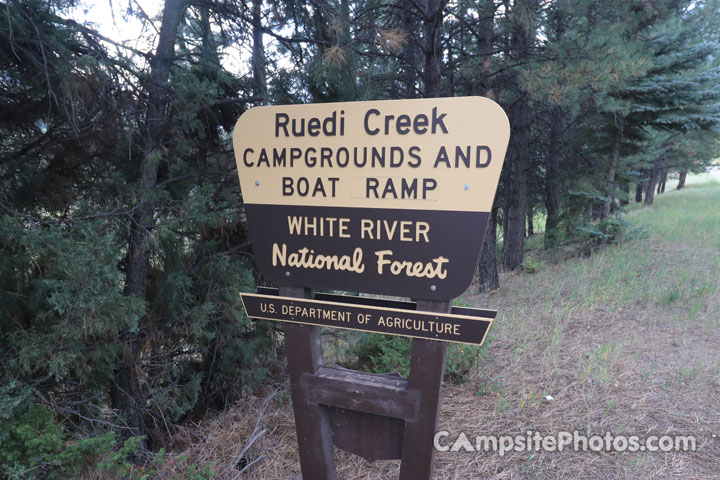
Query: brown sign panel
{"points": [[387, 197], [466, 328]]}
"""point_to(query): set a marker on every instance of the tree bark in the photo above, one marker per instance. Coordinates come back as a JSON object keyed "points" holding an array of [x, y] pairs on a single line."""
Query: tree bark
{"points": [[516, 199], [258, 52], [408, 54], [552, 181], [523, 38], [663, 180], [652, 180], [486, 33], [558, 18], [638, 191], [530, 226], [610, 187], [432, 28], [127, 394], [683, 177], [488, 278]]}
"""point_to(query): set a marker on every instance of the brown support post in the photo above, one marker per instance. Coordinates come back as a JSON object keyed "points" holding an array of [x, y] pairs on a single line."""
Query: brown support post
{"points": [[312, 421], [426, 374]]}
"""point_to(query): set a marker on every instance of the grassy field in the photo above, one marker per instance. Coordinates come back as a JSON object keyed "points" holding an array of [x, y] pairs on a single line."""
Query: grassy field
{"points": [[624, 341]]}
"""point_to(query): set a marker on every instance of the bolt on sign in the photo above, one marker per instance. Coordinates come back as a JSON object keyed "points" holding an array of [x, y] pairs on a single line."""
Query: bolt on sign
{"points": [[389, 197]]}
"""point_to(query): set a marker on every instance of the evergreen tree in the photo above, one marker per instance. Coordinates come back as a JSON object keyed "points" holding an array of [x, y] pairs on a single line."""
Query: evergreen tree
{"points": [[122, 236]]}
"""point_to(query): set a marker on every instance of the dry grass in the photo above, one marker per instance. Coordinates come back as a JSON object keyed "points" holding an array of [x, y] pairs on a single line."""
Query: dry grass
{"points": [[625, 341]]}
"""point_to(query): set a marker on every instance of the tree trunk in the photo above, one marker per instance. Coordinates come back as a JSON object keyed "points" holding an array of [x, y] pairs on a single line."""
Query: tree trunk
{"points": [[258, 52], [610, 186], [681, 181], [408, 55], [485, 32], [127, 394], [552, 181], [516, 198], [432, 28], [530, 226], [652, 181], [663, 180], [488, 278], [523, 38], [557, 25]]}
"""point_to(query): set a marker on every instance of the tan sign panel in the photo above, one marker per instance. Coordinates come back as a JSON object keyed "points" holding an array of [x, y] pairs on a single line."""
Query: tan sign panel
{"points": [[426, 154], [388, 196]]}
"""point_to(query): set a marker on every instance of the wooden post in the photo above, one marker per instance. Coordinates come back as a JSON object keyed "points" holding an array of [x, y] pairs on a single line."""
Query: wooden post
{"points": [[426, 374], [312, 421], [318, 391], [376, 416]]}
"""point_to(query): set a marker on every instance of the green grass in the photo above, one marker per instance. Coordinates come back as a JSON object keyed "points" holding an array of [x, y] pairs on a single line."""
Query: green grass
{"points": [[625, 339], [671, 272]]}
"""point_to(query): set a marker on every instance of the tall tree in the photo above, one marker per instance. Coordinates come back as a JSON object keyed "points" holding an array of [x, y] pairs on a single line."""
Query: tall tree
{"points": [[432, 34], [127, 393], [523, 30], [258, 51]]}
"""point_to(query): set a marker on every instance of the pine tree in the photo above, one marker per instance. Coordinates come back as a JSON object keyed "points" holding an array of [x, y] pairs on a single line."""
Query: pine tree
{"points": [[103, 312]]}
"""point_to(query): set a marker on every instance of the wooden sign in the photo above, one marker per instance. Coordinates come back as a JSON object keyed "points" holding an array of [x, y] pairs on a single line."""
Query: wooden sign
{"points": [[470, 327], [388, 197]]}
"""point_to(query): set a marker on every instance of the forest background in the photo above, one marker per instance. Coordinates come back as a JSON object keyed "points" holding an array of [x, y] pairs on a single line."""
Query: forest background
{"points": [[123, 245]]}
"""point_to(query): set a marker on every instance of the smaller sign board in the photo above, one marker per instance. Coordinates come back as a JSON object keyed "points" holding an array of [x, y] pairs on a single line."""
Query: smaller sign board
{"points": [[471, 327]]}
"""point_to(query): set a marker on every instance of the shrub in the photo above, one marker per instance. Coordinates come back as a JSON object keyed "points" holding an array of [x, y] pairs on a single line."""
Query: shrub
{"points": [[591, 236], [387, 353], [530, 265], [36, 446]]}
